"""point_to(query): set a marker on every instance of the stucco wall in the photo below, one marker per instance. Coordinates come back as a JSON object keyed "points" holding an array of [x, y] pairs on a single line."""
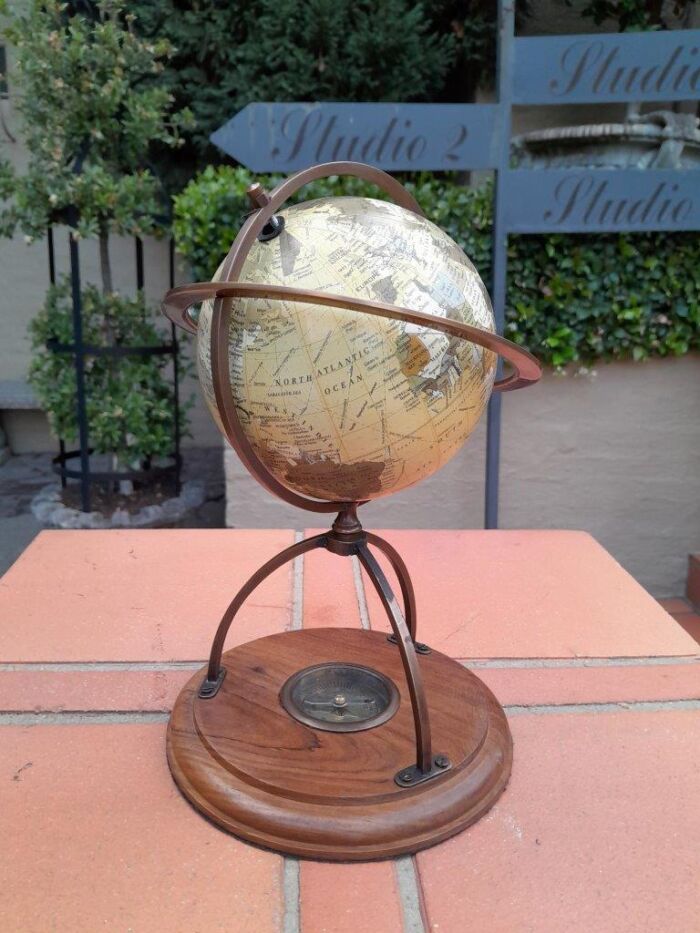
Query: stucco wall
{"points": [[616, 454]]}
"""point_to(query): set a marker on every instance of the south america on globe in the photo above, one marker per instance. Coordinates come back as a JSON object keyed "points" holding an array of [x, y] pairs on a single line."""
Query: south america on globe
{"points": [[344, 406]]}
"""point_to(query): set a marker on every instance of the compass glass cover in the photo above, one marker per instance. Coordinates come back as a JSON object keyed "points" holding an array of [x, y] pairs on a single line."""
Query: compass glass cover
{"points": [[340, 697]]}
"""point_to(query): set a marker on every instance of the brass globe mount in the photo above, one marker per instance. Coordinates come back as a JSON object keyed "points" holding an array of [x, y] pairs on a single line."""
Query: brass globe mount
{"points": [[346, 538]]}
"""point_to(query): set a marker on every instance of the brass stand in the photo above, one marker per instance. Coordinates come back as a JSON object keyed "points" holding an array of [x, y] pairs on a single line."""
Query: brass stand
{"points": [[347, 538]]}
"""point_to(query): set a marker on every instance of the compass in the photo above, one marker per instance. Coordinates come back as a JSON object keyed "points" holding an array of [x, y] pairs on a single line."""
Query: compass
{"points": [[346, 349], [340, 697]]}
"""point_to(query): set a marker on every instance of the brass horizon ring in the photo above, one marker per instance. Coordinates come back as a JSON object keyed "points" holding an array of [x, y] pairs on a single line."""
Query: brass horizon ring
{"points": [[526, 368]]}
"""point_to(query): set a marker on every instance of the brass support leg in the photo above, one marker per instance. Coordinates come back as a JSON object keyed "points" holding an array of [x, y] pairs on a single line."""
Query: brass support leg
{"points": [[421, 719], [401, 571], [215, 673]]}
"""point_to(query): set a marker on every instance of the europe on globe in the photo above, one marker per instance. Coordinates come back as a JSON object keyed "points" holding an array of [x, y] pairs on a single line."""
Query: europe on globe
{"points": [[345, 406]]}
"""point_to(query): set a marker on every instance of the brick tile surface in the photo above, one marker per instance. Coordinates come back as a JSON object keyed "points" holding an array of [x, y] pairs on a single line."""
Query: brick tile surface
{"points": [[137, 595], [597, 831], [97, 837], [615, 684], [359, 898], [120, 690], [690, 623], [549, 594], [675, 605], [329, 591]]}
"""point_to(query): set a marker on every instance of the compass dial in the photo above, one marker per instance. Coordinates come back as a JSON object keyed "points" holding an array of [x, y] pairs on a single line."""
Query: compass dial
{"points": [[340, 697]]}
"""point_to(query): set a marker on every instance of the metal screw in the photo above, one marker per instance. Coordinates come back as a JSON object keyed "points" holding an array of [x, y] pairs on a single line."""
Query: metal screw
{"points": [[442, 761], [407, 777]]}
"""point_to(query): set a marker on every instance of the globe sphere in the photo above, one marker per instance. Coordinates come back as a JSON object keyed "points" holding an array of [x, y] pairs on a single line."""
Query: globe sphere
{"points": [[340, 405]]}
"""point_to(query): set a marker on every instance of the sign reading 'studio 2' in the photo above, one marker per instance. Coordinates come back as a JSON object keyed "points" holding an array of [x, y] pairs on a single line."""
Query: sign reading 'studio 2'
{"points": [[271, 137], [399, 137]]}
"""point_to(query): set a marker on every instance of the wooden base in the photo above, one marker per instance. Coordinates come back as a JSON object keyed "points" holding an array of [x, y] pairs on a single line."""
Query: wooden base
{"points": [[250, 767]]}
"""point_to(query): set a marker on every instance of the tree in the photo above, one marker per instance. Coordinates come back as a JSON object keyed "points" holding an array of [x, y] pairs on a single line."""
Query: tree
{"points": [[91, 99], [90, 108], [472, 24], [229, 54], [634, 15]]}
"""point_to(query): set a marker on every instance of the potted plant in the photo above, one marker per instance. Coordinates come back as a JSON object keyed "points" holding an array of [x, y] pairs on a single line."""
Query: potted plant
{"points": [[92, 105]]}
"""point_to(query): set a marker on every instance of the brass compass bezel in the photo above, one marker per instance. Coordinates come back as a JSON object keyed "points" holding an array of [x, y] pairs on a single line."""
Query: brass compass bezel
{"points": [[390, 699]]}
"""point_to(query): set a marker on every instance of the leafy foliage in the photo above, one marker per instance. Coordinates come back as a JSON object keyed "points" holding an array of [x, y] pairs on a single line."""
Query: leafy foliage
{"points": [[230, 54], [633, 15], [129, 398], [90, 109], [472, 26], [571, 298], [92, 104]]}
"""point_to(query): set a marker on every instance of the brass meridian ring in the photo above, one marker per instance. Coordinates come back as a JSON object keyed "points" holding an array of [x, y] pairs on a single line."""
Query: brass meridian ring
{"points": [[178, 300]]}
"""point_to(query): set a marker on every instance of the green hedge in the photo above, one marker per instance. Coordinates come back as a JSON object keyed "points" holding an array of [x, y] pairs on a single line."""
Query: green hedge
{"points": [[571, 298]]}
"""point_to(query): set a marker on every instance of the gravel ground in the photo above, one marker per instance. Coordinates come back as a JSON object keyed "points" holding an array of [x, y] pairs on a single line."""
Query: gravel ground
{"points": [[22, 476]]}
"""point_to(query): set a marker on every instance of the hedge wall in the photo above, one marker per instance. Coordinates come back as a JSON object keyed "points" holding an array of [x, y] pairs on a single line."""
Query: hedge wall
{"points": [[571, 298]]}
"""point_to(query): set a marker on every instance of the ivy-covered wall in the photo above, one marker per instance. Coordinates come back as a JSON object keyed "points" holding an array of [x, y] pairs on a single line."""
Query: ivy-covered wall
{"points": [[571, 298]]}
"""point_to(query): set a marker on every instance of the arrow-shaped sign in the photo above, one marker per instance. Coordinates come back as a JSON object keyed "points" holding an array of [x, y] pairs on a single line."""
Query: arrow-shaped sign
{"points": [[283, 137]]}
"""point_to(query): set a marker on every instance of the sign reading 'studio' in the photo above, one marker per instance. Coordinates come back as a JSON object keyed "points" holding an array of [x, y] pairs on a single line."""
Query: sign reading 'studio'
{"points": [[579, 201], [665, 66], [587, 69]]}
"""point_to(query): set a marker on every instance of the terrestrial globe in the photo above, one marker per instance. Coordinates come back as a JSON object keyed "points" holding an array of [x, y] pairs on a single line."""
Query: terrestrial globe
{"points": [[346, 349], [343, 406]]}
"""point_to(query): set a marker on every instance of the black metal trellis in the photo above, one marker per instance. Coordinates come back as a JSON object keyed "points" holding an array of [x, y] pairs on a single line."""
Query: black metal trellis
{"points": [[79, 351]]}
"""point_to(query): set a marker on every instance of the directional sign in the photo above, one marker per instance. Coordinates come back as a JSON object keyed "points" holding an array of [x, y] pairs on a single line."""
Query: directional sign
{"points": [[581, 201], [397, 137], [607, 67]]}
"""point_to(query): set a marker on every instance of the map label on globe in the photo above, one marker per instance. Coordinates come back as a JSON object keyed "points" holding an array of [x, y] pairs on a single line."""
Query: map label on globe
{"points": [[282, 137]]}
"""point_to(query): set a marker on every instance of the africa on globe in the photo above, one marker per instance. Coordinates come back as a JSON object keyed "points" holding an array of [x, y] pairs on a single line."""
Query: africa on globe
{"points": [[345, 406]]}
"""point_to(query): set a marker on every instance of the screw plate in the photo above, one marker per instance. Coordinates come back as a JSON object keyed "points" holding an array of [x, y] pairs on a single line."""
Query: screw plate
{"points": [[209, 688], [410, 776]]}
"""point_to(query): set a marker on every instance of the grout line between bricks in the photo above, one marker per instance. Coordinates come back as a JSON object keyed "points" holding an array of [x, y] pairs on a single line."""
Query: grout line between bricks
{"points": [[298, 586], [409, 894], [476, 663], [86, 717], [616, 707], [360, 592], [72, 717], [102, 666], [488, 663], [291, 919]]}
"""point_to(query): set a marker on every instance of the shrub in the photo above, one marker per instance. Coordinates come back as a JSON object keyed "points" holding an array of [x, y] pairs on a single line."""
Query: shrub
{"points": [[129, 398], [571, 298], [229, 54]]}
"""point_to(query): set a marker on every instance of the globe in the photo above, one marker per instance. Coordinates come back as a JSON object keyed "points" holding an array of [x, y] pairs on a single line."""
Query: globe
{"points": [[341, 405]]}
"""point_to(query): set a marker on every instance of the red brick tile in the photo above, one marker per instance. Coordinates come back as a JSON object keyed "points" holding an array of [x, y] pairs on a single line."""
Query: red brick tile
{"points": [[329, 590], [690, 622], [597, 831], [97, 837], [675, 605], [53, 691], [615, 684], [693, 584], [137, 595], [349, 898], [530, 594]]}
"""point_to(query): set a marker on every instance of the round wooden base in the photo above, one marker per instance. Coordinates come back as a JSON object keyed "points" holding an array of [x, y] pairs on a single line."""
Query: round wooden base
{"points": [[242, 760]]}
